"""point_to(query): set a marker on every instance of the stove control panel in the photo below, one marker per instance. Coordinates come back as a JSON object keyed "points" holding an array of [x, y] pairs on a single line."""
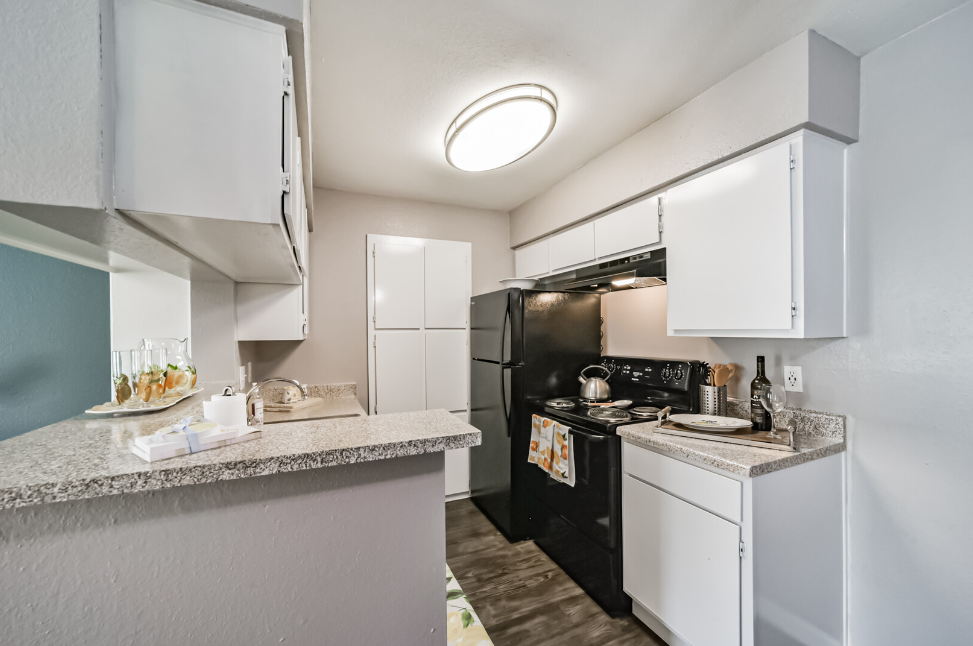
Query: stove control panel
{"points": [[662, 374]]}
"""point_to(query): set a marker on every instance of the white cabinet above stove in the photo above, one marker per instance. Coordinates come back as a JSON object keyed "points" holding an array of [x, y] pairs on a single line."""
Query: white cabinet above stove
{"points": [[629, 229], [633, 226]]}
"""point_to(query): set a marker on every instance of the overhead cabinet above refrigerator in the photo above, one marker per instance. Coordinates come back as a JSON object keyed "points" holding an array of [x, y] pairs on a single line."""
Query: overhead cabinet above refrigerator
{"points": [[206, 146]]}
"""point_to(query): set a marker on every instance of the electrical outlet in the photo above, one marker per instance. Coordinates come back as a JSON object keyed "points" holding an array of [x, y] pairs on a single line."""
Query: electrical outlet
{"points": [[793, 380], [242, 380]]}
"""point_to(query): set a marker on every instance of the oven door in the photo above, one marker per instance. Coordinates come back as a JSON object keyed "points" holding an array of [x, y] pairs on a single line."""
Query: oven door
{"points": [[593, 504]]}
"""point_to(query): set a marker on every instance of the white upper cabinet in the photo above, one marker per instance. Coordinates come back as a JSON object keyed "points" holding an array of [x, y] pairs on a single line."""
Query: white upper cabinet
{"points": [[398, 286], [755, 247], [630, 227], [532, 260], [572, 247], [447, 286], [202, 97], [267, 312]]}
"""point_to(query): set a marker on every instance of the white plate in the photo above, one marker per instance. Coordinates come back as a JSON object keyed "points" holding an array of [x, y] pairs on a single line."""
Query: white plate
{"points": [[111, 408], [520, 283], [711, 422]]}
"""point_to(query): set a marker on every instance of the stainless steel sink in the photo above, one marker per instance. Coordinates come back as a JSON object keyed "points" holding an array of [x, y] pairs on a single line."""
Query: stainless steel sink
{"points": [[311, 419]]}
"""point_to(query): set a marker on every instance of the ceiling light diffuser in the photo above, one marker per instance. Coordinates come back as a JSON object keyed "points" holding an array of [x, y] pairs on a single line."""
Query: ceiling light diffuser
{"points": [[501, 127]]}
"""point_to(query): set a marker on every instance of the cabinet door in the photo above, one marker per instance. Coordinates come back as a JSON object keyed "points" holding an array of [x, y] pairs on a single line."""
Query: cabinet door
{"points": [[682, 563], [447, 369], [398, 286], [572, 247], [199, 120], [532, 260], [268, 312], [447, 282], [399, 371], [728, 235], [634, 226]]}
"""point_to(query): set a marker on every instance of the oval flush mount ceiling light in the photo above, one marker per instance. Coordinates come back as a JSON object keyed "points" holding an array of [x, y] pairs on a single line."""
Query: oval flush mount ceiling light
{"points": [[501, 127]]}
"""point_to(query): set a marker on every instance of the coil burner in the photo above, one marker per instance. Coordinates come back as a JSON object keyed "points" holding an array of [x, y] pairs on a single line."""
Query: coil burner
{"points": [[560, 404], [609, 414]]}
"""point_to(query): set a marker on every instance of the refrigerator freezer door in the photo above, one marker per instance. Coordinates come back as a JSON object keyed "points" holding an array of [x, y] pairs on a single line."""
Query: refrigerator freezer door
{"points": [[491, 326], [561, 335]]}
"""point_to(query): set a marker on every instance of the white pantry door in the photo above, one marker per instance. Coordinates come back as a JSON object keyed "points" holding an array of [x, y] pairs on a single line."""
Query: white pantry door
{"points": [[418, 329]]}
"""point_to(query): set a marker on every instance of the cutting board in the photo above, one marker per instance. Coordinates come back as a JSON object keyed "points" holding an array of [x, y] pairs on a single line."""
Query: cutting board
{"points": [[298, 405]]}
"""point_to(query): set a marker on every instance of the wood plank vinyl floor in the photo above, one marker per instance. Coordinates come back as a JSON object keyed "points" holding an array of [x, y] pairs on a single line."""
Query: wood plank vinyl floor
{"points": [[521, 596]]}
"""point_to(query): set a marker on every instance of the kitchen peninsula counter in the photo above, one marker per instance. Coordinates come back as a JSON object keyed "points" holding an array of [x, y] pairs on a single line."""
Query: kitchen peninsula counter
{"points": [[88, 457], [342, 538]]}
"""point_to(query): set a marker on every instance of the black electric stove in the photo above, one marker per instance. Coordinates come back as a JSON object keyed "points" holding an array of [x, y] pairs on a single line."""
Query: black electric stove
{"points": [[580, 527]]}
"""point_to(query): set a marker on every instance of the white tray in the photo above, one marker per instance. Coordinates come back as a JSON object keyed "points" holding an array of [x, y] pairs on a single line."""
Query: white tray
{"points": [[167, 401], [711, 422]]}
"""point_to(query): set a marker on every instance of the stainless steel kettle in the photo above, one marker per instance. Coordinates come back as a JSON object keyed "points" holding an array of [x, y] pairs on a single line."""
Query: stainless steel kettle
{"points": [[595, 388]]}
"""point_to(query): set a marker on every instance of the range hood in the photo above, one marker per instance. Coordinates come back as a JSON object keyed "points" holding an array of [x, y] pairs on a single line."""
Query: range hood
{"points": [[647, 269]]}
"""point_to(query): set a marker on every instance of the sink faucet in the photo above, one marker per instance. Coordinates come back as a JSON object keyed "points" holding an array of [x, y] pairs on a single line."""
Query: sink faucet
{"points": [[257, 387]]}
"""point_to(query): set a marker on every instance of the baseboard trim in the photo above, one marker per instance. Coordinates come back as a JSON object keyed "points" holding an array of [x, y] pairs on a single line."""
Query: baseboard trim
{"points": [[457, 496]]}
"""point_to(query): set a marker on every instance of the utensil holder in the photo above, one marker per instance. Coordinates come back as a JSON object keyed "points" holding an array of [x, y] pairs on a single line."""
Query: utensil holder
{"points": [[712, 400]]}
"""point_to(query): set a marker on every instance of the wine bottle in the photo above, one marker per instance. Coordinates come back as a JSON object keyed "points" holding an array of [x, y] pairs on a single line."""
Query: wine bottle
{"points": [[758, 414]]}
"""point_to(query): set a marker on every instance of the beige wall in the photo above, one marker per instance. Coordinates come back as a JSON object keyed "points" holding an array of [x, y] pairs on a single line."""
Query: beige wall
{"points": [[806, 82], [635, 326], [336, 348]]}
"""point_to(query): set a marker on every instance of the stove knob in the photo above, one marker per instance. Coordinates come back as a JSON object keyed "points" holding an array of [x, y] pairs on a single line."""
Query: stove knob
{"points": [[666, 373], [679, 374]]}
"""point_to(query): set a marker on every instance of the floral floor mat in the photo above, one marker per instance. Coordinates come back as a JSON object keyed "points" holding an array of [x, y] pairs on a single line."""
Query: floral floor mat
{"points": [[463, 627]]}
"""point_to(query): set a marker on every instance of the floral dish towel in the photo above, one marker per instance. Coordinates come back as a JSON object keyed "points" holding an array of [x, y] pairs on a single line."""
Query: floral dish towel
{"points": [[552, 448]]}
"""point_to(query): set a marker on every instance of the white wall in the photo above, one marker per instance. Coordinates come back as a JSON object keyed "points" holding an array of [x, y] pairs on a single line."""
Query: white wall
{"points": [[766, 99], [336, 349], [900, 375], [148, 303]]}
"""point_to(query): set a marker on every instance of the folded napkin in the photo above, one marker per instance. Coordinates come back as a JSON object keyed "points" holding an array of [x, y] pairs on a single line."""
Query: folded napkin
{"points": [[552, 448]]}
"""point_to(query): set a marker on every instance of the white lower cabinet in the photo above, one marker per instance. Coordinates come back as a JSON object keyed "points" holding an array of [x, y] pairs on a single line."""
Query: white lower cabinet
{"points": [[714, 560], [686, 569]]}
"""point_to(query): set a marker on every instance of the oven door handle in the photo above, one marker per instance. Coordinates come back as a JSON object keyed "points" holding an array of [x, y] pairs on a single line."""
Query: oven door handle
{"points": [[594, 437]]}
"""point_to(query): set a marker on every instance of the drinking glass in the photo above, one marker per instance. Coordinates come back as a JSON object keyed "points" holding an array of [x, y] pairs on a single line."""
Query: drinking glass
{"points": [[123, 378], [773, 398], [151, 384]]}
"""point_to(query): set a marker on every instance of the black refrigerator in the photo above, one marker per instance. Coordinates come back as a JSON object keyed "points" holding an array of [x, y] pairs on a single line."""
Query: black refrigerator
{"points": [[525, 345]]}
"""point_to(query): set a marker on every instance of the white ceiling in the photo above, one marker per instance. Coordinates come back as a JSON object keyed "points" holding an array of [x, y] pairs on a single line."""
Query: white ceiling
{"points": [[388, 76]]}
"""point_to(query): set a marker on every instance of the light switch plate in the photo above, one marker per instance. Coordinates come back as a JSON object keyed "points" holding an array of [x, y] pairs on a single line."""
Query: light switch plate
{"points": [[793, 381]]}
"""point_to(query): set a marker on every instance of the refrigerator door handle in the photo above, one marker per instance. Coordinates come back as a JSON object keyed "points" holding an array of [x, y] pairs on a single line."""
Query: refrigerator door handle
{"points": [[503, 334], [503, 397]]}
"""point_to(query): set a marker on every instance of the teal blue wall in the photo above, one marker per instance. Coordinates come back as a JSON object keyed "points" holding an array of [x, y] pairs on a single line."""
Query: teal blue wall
{"points": [[55, 340]]}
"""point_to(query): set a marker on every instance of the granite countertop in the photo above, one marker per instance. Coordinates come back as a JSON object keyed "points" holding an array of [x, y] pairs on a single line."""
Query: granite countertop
{"points": [[818, 435], [88, 456]]}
